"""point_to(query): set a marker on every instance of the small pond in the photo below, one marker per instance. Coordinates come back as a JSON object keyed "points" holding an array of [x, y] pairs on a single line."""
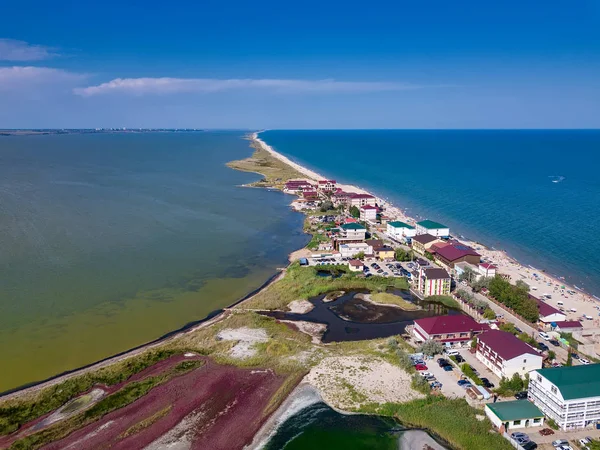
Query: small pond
{"points": [[352, 318]]}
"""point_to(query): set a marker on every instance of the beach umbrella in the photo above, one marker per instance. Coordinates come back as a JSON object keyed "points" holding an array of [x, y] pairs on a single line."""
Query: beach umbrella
{"points": [[562, 287]]}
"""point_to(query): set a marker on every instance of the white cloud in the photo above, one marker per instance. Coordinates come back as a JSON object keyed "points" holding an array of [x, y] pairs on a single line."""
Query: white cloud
{"points": [[13, 50], [141, 86], [12, 78]]}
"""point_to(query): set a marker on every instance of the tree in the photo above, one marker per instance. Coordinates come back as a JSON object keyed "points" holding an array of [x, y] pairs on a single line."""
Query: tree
{"points": [[489, 314], [326, 206], [480, 283], [551, 355], [474, 342], [429, 256], [420, 384], [403, 255], [468, 275], [511, 386], [360, 255], [522, 285], [355, 212], [430, 348], [569, 360]]}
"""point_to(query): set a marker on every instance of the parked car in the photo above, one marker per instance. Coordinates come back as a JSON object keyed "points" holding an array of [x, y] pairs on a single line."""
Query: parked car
{"points": [[426, 374], [460, 359], [421, 367], [554, 342], [559, 442], [546, 431], [436, 385], [462, 382], [529, 445], [487, 383], [452, 352], [583, 361], [584, 442], [520, 437], [521, 395], [543, 346], [448, 368], [544, 336]]}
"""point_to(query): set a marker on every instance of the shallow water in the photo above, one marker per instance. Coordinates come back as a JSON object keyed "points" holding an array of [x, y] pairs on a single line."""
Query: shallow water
{"points": [[111, 240], [350, 318]]}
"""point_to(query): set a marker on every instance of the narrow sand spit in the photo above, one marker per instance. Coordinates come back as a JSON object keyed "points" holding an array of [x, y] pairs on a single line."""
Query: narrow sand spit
{"points": [[346, 382], [300, 306], [246, 337], [314, 330], [301, 253], [417, 440]]}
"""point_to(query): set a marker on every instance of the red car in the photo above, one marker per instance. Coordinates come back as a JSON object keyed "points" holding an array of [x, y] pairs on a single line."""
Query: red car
{"points": [[421, 367]]}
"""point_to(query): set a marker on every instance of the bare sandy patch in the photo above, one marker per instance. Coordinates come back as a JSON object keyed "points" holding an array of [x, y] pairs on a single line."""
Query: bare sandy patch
{"points": [[246, 337], [302, 253], [300, 306], [347, 382], [314, 330]]}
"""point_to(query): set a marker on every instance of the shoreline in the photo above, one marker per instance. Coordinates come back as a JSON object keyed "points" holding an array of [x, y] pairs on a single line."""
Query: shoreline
{"points": [[501, 258]]}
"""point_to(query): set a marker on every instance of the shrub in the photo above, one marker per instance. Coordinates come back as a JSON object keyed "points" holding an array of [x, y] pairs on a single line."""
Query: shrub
{"points": [[468, 371], [420, 384], [431, 348]]}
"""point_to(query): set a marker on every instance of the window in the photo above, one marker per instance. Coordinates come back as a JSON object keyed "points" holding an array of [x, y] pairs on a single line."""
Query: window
{"points": [[525, 361], [538, 420], [539, 378], [553, 389], [517, 422]]}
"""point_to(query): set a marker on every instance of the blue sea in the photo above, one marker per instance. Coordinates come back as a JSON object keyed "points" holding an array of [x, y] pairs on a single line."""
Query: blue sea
{"points": [[492, 186]]}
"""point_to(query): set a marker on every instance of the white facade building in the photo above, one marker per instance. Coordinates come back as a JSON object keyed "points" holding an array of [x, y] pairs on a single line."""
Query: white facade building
{"points": [[353, 231], [400, 230], [359, 200], [353, 249], [568, 395], [368, 213], [433, 228], [505, 354], [487, 270]]}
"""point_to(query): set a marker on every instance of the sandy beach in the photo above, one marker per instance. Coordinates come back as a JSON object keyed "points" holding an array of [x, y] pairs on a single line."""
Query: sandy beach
{"points": [[541, 283]]}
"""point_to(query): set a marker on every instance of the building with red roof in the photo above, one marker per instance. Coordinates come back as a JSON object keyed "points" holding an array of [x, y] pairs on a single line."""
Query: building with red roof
{"points": [[487, 270], [505, 354], [567, 326], [368, 213], [454, 329], [327, 185], [310, 195], [456, 252], [359, 200], [549, 313]]}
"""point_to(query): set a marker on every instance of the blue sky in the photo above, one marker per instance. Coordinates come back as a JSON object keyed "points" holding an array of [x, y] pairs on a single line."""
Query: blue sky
{"points": [[333, 64]]}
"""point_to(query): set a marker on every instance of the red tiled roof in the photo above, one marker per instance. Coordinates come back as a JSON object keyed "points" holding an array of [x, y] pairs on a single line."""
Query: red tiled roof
{"points": [[351, 220], [361, 196], [459, 323], [569, 324], [487, 266], [456, 251], [368, 207], [326, 181], [507, 345], [545, 308], [355, 263]]}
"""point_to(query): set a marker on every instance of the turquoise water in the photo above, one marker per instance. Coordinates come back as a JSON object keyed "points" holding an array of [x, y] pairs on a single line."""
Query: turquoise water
{"points": [[111, 240], [492, 186]]}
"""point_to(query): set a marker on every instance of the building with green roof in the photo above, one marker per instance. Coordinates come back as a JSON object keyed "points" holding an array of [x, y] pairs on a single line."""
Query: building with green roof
{"points": [[569, 395], [353, 231], [514, 414], [434, 228], [400, 230]]}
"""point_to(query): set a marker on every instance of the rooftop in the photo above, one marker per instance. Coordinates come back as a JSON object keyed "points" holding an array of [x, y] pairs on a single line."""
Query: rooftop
{"points": [[487, 266], [459, 323], [398, 224], [507, 345], [515, 410], [375, 243], [431, 225], [424, 238], [368, 207], [385, 248], [361, 196], [355, 263], [569, 324], [326, 181], [353, 226], [436, 274], [575, 381], [456, 251], [545, 308]]}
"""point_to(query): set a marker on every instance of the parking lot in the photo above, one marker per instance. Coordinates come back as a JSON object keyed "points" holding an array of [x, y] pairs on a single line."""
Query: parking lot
{"points": [[448, 379], [385, 268]]}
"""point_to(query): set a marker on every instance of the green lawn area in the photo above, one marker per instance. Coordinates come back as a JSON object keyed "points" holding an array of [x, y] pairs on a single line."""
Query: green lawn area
{"points": [[304, 283], [391, 299]]}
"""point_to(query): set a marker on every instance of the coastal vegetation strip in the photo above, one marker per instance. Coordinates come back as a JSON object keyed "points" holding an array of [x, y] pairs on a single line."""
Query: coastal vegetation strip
{"points": [[306, 282], [275, 171], [454, 420]]}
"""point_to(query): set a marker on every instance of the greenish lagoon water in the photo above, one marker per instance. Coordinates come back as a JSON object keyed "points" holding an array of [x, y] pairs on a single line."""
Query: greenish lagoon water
{"points": [[111, 240]]}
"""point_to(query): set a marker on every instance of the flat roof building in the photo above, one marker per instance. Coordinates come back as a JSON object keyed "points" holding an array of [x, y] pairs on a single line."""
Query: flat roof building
{"points": [[505, 354], [514, 414], [434, 228]]}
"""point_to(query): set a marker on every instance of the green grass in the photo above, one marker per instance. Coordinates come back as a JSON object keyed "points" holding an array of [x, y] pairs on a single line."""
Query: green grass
{"points": [[275, 171], [304, 283], [316, 239], [444, 300], [119, 399], [14, 413], [466, 369], [391, 299], [142, 425], [451, 419]]}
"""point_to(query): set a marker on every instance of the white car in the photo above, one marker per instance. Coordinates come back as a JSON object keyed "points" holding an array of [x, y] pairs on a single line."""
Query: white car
{"points": [[559, 443], [544, 336], [583, 361]]}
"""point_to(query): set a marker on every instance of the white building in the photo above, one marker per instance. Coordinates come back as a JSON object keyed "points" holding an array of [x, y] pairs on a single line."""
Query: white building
{"points": [[514, 414], [327, 185], [368, 213], [568, 395], [400, 230], [505, 354], [353, 231], [353, 249], [359, 200], [549, 313], [487, 270], [459, 269], [433, 228], [355, 265]]}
